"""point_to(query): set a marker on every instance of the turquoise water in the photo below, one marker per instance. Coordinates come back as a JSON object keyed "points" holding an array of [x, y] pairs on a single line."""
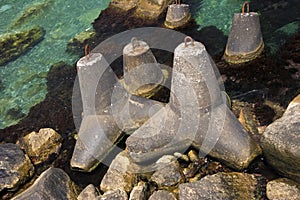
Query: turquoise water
{"points": [[24, 80]]}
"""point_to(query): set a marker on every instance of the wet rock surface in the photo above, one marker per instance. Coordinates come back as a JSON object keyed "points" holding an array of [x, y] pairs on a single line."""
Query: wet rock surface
{"points": [[39, 146], [221, 186], [15, 167], [15, 44], [283, 188], [281, 139], [53, 183]]}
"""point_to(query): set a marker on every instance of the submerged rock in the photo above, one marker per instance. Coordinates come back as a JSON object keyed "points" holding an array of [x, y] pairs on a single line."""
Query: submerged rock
{"points": [[15, 167], [88, 193], [221, 186], [40, 146], [15, 44], [53, 183], [117, 194], [162, 195], [281, 139], [119, 175], [32, 11], [283, 188]]}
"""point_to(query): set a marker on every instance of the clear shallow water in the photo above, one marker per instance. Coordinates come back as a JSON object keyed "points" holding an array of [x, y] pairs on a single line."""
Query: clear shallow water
{"points": [[24, 80]]}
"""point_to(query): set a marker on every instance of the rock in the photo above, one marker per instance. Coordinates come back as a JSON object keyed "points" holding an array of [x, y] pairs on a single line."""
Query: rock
{"points": [[167, 172], [221, 186], [193, 156], [80, 40], [15, 167], [280, 142], [162, 195], [117, 194], [124, 4], [32, 11], [88, 193], [53, 183], [152, 8], [283, 188], [40, 146], [119, 175], [139, 192], [13, 45]]}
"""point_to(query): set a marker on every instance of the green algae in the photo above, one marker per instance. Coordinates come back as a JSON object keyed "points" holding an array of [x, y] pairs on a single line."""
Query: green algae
{"points": [[15, 44]]}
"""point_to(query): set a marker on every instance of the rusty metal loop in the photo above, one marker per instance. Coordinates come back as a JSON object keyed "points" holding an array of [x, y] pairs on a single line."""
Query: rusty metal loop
{"points": [[186, 41], [243, 7], [87, 51], [135, 43]]}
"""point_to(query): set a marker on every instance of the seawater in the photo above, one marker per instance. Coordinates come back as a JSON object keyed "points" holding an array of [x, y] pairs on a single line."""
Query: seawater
{"points": [[24, 80]]}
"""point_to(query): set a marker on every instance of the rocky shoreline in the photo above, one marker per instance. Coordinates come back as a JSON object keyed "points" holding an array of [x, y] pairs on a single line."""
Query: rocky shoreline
{"points": [[261, 90]]}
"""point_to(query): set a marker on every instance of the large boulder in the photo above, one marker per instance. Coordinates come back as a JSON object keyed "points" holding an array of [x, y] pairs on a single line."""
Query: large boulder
{"points": [[152, 8], [15, 167], [280, 142], [53, 183], [88, 193], [124, 4], [40, 146], [13, 45]]}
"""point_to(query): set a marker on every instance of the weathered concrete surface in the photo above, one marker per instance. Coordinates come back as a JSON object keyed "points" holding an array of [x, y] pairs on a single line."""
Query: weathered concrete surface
{"points": [[119, 174], [283, 188], [196, 115], [15, 167], [88, 193], [40, 146], [53, 183], [162, 195], [280, 142], [220, 186]]}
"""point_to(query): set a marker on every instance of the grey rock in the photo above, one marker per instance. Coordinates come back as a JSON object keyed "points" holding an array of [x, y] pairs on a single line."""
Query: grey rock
{"points": [[53, 183], [196, 115], [15, 167], [219, 186], [139, 192], [162, 195], [88, 193], [119, 174], [283, 188], [39, 146], [280, 142], [117, 194], [167, 172]]}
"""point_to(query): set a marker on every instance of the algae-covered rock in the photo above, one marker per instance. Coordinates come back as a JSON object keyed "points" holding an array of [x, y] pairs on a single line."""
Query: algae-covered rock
{"points": [[15, 167], [13, 45], [40, 146], [32, 11], [124, 4], [80, 40], [232, 185], [280, 142]]}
